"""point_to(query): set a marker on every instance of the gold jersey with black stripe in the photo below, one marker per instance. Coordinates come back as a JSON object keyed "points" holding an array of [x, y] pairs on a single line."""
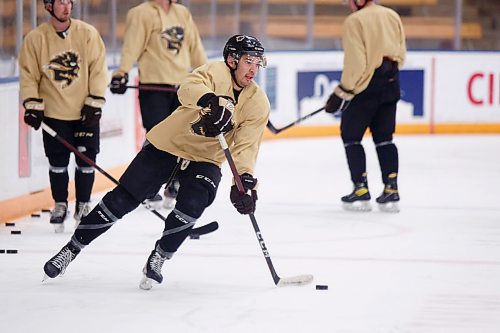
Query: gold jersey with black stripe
{"points": [[175, 134], [166, 46], [370, 35], [63, 72]]}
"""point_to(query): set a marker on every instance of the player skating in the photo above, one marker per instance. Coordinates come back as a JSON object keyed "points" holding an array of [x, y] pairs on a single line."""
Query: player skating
{"points": [[162, 38], [63, 78], [219, 97], [374, 50]]}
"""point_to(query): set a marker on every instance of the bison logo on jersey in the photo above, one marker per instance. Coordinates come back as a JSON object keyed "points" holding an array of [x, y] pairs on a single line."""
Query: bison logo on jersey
{"points": [[65, 67], [174, 37]]}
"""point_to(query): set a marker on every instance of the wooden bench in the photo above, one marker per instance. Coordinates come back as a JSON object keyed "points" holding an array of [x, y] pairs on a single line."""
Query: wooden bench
{"points": [[294, 27]]}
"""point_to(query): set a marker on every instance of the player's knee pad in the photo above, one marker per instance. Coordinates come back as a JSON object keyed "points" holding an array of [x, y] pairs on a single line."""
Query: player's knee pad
{"points": [[119, 202], [196, 193], [58, 162]]}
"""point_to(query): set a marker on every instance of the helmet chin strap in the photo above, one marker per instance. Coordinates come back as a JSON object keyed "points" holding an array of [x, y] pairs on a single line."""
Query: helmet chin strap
{"points": [[232, 73]]}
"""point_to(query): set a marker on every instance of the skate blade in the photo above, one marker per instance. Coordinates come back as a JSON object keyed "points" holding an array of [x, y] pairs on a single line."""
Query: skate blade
{"points": [[390, 207], [59, 228], [45, 278], [357, 206], [146, 283]]}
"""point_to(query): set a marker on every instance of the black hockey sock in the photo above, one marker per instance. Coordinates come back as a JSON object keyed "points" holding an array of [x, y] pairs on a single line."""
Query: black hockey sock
{"points": [[177, 228], [84, 180], [356, 159], [388, 159], [59, 183]]}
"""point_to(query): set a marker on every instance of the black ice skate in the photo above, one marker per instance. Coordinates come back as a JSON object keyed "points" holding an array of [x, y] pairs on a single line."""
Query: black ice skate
{"points": [[81, 209], [359, 199], [388, 200], [152, 269], [57, 264], [58, 215], [170, 194]]}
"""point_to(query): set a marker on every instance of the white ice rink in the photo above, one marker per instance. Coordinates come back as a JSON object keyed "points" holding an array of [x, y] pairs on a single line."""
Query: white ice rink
{"points": [[433, 268]]}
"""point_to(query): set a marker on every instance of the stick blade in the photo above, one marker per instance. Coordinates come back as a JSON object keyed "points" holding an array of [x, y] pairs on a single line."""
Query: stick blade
{"points": [[295, 280]]}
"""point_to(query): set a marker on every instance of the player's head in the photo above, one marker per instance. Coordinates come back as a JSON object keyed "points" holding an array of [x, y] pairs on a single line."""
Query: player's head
{"points": [[239, 45], [57, 10], [358, 4], [244, 55]]}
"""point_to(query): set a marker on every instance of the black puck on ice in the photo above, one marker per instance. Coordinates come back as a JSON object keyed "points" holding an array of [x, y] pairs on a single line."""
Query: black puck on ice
{"points": [[45, 210], [12, 251], [10, 224], [321, 287], [2, 251], [35, 215], [15, 232], [194, 236]]}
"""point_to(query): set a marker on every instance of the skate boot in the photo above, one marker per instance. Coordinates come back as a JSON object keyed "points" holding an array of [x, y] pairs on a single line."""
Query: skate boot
{"points": [[81, 209], [154, 202], [388, 200], [58, 215], [359, 199], [152, 269], [57, 264], [170, 194]]}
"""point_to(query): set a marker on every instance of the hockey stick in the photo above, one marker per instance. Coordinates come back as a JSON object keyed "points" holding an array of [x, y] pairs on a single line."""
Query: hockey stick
{"points": [[279, 281], [275, 130], [210, 227], [153, 88]]}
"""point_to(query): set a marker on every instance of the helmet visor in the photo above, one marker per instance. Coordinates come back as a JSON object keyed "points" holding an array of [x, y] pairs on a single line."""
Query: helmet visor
{"points": [[258, 60]]}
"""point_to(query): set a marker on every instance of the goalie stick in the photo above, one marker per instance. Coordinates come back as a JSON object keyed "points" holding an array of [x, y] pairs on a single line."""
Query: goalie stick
{"points": [[278, 281], [210, 227]]}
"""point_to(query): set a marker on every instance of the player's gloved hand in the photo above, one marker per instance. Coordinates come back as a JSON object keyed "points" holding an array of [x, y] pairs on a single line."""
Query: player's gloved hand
{"points": [[92, 111], [118, 83], [33, 112], [339, 100], [218, 118], [244, 202]]}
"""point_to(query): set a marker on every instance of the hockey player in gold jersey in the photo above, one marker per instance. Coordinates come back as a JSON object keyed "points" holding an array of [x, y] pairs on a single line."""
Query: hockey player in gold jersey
{"points": [[219, 97], [161, 36], [374, 50], [63, 79]]}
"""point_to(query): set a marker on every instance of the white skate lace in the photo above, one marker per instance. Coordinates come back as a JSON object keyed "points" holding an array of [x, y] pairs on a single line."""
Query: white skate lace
{"points": [[63, 259], [156, 262], [83, 209], [59, 210]]}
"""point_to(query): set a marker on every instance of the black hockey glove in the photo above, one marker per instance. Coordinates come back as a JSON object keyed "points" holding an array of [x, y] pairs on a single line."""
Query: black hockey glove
{"points": [[119, 83], [219, 118], [33, 114], [339, 100], [243, 202], [91, 111]]}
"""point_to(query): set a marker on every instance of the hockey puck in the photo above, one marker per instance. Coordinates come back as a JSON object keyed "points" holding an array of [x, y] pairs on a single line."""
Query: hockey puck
{"points": [[194, 236], [11, 251], [35, 215], [321, 287], [15, 232], [2, 251], [10, 224], [45, 210]]}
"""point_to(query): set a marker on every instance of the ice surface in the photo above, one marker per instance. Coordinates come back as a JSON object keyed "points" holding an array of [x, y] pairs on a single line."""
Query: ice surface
{"points": [[434, 267]]}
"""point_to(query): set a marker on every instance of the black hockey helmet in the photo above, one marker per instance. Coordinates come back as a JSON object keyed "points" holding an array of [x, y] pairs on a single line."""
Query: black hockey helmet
{"points": [[51, 2], [238, 45]]}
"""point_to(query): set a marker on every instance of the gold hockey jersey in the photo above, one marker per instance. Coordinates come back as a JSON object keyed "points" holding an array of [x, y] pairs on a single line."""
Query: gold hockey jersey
{"points": [[63, 72], [166, 46], [369, 35], [176, 136]]}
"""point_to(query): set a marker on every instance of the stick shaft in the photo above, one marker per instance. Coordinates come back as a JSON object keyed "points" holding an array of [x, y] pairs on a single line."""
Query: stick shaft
{"points": [[153, 88], [256, 228], [275, 130]]}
